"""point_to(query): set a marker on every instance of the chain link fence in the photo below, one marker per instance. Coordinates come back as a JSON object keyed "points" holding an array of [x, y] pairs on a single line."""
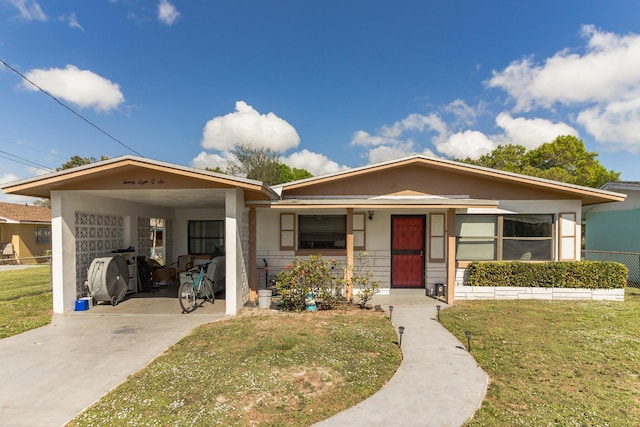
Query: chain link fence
{"points": [[21, 277], [630, 259]]}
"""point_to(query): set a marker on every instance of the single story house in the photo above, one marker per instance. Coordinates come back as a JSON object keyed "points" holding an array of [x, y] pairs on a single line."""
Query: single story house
{"points": [[420, 219], [25, 231], [612, 228]]}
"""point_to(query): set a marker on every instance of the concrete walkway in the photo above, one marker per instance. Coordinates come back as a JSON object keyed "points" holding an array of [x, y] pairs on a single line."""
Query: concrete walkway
{"points": [[438, 383], [51, 374]]}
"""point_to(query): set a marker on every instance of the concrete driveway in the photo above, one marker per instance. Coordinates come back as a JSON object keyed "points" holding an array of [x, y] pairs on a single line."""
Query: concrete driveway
{"points": [[50, 374]]}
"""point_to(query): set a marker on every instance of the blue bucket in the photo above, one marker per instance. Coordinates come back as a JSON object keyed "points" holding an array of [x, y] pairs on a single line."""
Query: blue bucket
{"points": [[82, 304]]}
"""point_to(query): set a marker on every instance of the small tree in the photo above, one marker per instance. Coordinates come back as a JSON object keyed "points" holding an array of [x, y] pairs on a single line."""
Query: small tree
{"points": [[315, 276], [262, 164], [362, 279]]}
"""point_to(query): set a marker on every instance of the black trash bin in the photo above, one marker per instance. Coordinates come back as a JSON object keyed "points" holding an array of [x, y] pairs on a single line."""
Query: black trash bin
{"points": [[440, 289]]}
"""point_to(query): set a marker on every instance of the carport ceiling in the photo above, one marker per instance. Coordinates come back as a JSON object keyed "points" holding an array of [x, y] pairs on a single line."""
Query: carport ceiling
{"points": [[175, 199]]}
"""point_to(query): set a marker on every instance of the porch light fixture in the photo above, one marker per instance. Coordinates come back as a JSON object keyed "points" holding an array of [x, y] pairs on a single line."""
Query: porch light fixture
{"points": [[390, 312], [438, 312], [370, 213], [468, 335], [401, 330]]}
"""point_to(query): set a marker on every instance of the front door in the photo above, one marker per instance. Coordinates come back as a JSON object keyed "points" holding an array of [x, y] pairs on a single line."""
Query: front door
{"points": [[407, 251]]}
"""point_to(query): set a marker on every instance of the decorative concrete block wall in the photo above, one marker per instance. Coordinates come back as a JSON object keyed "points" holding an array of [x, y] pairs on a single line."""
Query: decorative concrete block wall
{"points": [[552, 294]]}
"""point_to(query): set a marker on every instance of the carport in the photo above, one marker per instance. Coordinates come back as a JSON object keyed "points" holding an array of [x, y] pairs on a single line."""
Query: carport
{"points": [[106, 206]]}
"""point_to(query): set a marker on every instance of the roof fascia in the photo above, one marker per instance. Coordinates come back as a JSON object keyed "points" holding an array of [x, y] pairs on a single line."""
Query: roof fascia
{"points": [[375, 203], [609, 196], [104, 165]]}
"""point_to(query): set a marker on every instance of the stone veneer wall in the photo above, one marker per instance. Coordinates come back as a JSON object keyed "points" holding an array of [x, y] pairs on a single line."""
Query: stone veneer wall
{"points": [[466, 292]]}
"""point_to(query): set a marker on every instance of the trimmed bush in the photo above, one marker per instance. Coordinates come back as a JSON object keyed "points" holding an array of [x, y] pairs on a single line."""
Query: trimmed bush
{"points": [[571, 274], [315, 276]]}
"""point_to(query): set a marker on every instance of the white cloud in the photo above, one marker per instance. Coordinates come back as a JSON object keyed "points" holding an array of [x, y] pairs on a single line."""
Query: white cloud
{"points": [[12, 198], [208, 160], [386, 153], [609, 70], [167, 12], [81, 87], [469, 143], [464, 113], [530, 133], [72, 20], [603, 83], [29, 10], [317, 164], [248, 126], [392, 142], [616, 122], [392, 134]]}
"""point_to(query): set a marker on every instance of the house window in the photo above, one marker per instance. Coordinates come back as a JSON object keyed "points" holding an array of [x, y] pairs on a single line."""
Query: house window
{"points": [[504, 237], [43, 235], [206, 237], [527, 237], [322, 231], [476, 237]]}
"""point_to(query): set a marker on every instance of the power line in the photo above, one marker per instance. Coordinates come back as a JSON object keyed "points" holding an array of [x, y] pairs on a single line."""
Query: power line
{"points": [[70, 109], [24, 161]]}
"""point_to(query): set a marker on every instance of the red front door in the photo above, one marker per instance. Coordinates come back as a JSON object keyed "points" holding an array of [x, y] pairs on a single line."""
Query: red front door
{"points": [[407, 251]]}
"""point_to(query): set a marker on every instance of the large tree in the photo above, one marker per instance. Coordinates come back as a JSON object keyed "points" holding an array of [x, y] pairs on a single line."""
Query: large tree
{"points": [[564, 159], [263, 164], [76, 161]]}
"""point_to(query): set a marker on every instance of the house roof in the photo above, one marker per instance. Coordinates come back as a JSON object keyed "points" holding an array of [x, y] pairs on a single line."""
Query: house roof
{"points": [[120, 175], [416, 181], [427, 176], [17, 213], [622, 186]]}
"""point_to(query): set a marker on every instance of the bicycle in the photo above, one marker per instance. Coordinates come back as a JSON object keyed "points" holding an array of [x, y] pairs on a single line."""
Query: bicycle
{"points": [[199, 287]]}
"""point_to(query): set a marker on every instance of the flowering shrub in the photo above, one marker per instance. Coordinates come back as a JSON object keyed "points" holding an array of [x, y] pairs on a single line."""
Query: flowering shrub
{"points": [[321, 277], [362, 279]]}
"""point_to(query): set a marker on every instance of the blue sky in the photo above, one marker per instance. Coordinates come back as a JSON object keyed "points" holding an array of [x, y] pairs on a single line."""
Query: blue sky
{"points": [[327, 84]]}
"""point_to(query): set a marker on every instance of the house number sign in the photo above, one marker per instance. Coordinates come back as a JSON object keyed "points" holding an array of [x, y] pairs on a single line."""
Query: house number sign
{"points": [[143, 182]]}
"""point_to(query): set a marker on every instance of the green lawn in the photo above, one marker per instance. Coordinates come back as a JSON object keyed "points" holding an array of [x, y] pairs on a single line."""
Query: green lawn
{"points": [[23, 314], [555, 363], [25, 281], [271, 370], [25, 299], [550, 363]]}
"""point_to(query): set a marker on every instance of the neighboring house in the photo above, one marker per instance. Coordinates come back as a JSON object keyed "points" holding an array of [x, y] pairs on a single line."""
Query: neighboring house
{"points": [[613, 227], [420, 219], [26, 228]]}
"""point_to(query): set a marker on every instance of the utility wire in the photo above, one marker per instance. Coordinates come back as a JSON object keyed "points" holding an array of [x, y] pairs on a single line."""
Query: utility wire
{"points": [[70, 109], [24, 161]]}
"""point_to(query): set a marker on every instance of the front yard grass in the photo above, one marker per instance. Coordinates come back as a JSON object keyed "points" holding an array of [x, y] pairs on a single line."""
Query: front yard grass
{"points": [[26, 313], [277, 369], [554, 363]]}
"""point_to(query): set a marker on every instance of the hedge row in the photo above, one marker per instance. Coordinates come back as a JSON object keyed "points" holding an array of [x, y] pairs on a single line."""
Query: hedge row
{"points": [[573, 274]]}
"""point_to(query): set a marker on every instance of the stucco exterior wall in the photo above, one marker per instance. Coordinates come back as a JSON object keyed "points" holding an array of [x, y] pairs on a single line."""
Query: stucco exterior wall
{"points": [[64, 206], [237, 293], [378, 244], [378, 237], [23, 237], [614, 226]]}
